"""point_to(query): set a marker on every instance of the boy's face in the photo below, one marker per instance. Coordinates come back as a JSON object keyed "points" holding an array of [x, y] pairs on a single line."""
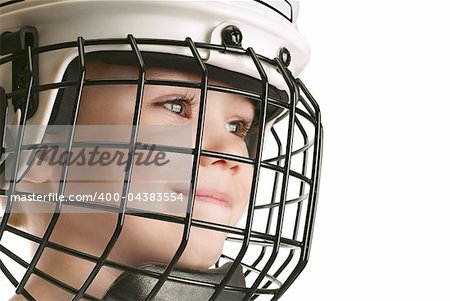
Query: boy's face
{"points": [[223, 186]]}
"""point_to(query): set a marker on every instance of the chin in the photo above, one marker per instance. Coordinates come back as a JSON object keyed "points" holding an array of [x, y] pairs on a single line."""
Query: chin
{"points": [[205, 246], [203, 250], [157, 241]]}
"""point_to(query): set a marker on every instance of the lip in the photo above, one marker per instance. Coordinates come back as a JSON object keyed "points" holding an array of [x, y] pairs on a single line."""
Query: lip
{"points": [[214, 196]]}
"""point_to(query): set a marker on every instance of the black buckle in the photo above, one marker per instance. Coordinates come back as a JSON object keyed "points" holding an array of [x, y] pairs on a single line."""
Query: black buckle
{"points": [[16, 43]]}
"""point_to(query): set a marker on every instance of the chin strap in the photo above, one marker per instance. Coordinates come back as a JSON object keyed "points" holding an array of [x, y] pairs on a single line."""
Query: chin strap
{"points": [[136, 287]]}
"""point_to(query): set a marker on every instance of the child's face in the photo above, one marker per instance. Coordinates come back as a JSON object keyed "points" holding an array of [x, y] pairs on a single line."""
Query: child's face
{"points": [[223, 185]]}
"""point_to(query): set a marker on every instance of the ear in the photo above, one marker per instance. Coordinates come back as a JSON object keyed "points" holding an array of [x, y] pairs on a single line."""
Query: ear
{"points": [[44, 163], [43, 166]]}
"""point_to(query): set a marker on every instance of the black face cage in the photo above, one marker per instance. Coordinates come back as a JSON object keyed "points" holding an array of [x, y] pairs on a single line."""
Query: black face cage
{"points": [[272, 254]]}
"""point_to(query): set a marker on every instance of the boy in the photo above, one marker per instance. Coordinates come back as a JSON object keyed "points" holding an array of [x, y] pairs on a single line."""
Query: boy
{"points": [[123, 81]]}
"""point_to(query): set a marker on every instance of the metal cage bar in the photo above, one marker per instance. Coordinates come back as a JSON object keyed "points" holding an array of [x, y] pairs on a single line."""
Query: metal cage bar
{"points": [[13, 281], [62, 183], [272, 200], [301, 195], [195, 169], [18, 149], [312, 202], [128, 171], [255, 178], [285, 179], [246, 236]]}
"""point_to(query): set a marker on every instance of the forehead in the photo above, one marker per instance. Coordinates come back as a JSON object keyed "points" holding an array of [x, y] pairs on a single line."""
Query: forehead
{"points": [[97, 68]]}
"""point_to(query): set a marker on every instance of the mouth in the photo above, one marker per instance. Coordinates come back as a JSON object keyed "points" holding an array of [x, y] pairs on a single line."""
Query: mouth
{"points": [[211, 196]]}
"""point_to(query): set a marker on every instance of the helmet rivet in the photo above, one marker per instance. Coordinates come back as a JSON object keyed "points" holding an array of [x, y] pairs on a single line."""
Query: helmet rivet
{"points": [[285, 56], [232, 36]]}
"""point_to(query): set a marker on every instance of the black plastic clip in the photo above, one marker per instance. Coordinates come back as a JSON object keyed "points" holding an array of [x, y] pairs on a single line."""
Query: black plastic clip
{"points": [[17, 43], [3, 109]]}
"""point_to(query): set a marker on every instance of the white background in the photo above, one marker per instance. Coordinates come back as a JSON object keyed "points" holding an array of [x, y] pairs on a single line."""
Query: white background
{"points": [[380, 71]]}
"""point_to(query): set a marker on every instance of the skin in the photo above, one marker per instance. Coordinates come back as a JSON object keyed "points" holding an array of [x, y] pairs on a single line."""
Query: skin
{"points": [[142, 241]]}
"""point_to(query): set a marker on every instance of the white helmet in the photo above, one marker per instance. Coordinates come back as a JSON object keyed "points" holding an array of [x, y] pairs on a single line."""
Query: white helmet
{"points": [[251, 49]]}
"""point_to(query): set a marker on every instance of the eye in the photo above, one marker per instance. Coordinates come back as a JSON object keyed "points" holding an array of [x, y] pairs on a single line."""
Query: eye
{"points": [[174, 107], [239, 128], [180, 106]]}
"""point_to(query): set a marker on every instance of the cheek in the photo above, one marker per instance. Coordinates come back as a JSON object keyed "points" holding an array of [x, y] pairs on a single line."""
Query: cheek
{"points": [[243, 149], [244, 183], [246, 178]]}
